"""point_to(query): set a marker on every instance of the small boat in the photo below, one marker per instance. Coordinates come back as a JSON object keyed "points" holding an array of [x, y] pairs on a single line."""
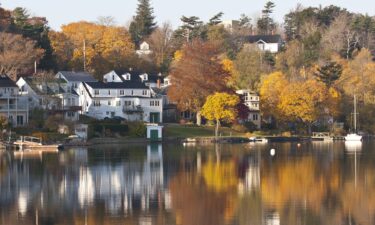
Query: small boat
{"points": [[33, 143], [354, 136]]}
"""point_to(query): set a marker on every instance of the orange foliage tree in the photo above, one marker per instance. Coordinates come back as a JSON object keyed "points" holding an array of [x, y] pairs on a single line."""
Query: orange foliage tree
{"points": [[197, 74]]}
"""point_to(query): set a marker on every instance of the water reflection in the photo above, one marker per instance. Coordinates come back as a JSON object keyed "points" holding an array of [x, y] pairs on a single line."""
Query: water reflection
{"points": [[306, 183]]}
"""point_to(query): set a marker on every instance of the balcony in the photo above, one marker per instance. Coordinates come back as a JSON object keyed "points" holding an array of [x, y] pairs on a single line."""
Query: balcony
{"points": [[13, 107], [129, 109]]}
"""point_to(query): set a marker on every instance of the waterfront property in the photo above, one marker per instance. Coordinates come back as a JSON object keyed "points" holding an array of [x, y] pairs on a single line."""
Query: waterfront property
{"points": [[55, 95], [251, 100], [130, 100], [13, 106]]}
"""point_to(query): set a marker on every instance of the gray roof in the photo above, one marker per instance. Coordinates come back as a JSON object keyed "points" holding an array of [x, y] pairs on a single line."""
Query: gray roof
{"points": [[5, 81], [77, 76], [117, 85], [266, 38]]}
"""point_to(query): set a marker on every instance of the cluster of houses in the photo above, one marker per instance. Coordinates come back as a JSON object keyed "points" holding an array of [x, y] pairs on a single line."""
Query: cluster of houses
{"points": [[130, 95]]}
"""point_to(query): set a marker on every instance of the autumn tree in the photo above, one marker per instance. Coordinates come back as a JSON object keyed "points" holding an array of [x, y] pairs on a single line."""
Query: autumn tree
{"points": [[329, 73], [266, 24], [100, 48], [5, 19], [199, 73], [220, 106], [17, 54], [248, 67], [162, 47], [143, 23]]}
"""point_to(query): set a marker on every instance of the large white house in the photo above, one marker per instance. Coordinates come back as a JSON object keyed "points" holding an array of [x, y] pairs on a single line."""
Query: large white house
{"points": [[131, 100], [251, 100], [13, 106], [54, 94], [270, 43]]}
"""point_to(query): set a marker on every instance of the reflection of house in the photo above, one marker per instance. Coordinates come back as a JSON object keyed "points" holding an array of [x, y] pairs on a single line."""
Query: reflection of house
{"points": [[270, 43], [144, 49], [13, 106], [251, 100], [124, 184]]}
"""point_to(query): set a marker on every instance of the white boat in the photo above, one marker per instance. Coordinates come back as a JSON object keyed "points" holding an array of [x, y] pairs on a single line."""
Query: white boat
{"points": [[354, 136]]}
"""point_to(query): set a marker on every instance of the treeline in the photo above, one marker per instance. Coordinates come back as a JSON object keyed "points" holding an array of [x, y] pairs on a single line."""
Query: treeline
{"points": [[327, 57]]}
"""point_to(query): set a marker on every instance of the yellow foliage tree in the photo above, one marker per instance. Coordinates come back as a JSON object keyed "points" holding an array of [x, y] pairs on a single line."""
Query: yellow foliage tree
{"points": [[220, 106], [270, 91], [304, 101], [105, 47]]}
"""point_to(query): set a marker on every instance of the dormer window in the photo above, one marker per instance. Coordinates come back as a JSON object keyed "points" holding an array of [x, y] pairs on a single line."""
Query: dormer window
{"points": [[109, 92], [144, 92]]}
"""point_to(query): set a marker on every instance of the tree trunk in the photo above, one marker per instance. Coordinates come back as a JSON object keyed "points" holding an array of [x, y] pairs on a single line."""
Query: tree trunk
{"points": [[217, 129], [309, 128], [199, 118]]}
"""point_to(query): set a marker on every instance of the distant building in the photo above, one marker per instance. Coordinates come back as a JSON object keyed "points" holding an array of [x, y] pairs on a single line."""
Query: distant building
{"points": [[230, 25], [251, 100], [144, 49], [13, 106], [271, 43]]}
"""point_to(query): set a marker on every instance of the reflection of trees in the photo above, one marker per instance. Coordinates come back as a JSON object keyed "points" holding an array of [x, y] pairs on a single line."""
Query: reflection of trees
{"points": [[303, 191], [207, 199]]}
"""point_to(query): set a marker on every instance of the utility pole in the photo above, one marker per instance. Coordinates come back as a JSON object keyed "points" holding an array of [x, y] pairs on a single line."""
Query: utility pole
{"points": [[84, 55]]}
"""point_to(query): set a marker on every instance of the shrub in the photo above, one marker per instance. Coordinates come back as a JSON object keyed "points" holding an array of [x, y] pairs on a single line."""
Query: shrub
{"points": [[250, 126], [137, 129], [239, 128]]}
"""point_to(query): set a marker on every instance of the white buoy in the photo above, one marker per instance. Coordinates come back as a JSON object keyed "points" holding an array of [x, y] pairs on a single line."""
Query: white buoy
{"points": [[272, 152], [298, 145]]}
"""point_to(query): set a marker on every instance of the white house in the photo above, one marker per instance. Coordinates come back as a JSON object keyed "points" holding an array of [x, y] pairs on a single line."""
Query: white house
{"points": [[130, 100], [74, 79], [53, 95], [271, 43], [144, 49], [13, 106], [150, 80], [251, 100]]}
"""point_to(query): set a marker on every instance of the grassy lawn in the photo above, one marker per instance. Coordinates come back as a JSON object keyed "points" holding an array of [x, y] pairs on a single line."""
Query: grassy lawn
{"points": [[189, 131]]}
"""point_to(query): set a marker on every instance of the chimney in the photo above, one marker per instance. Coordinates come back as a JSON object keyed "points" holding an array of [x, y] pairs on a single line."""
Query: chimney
{"points": [[158, 83]]}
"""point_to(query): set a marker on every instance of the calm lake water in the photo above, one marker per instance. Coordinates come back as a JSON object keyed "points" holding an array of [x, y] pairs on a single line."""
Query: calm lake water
{"points": [[239, 184]]}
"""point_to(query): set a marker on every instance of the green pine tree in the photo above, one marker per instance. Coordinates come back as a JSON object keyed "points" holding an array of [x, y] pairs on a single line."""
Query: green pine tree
{"points": [[266, 24], [143, 22]]}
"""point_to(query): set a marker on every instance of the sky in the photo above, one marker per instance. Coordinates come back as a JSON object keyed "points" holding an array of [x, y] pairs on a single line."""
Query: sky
{"points": [[59, 12]]}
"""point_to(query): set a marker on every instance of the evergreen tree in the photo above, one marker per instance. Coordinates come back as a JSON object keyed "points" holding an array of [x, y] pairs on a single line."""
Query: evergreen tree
{"points": [[329, 73], [266, 23], [143, 23]]}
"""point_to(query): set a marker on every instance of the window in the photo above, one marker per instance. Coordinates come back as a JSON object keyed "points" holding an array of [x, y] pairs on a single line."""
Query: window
{"points": [[154, 103], [109, 92], [132, 92], [70, 114], [255, 117], [96, 103], [118, 103], [19, 120], [109, 102], [122, 92], [127, 103], [107, 113], [113, 77], [96, 92], [144, 92]]}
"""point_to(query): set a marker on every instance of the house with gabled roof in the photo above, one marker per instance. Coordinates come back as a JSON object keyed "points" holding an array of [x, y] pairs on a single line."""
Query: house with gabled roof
{"points": [[131, 100], [73, 79], [53, 95], [270, 43], [13, 106]]}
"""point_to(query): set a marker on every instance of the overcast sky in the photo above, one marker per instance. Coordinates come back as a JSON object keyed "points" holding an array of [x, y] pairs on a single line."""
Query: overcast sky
{"points": [[59, 12]]}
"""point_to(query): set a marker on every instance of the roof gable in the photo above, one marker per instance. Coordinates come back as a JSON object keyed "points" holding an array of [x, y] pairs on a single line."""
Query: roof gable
{"points": [[265, 38]]}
